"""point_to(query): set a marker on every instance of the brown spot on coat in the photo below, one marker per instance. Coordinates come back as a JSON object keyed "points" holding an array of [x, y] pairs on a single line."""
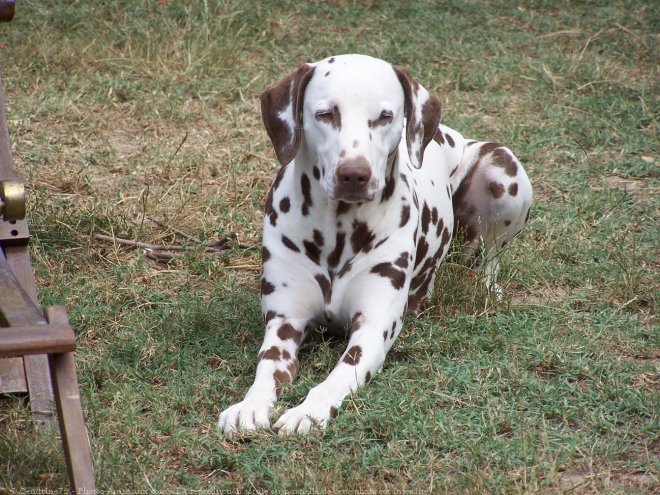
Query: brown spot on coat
{"points": [[446, 237], [342, 207], [362, 237], [426, 218], [333, 412], [381, 242], [266, 287], [388, 190], [265, 254], [356, 323], [402, 260], [285, 204], [487, 148], [273, 354], [325, 285], [312, 251], [290, 244], [316, 172], [496, 189], [367, 377], [501, 158], [388, 270], [306, 186], [513, 189], [335, 255], [450, 140], [422, 250], [278, 178], [270, 210], [439, 227], [353, 355], [345, 269], [287, 332], [270, 314], [318, 237], [405, 215], [416, 301]]}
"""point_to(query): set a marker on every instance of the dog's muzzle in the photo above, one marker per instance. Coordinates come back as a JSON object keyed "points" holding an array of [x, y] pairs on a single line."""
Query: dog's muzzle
{"points": [[353, 179]]}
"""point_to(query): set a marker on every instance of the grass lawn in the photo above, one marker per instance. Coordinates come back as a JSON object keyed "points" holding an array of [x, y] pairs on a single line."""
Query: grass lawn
{"points": [[121, 111]]}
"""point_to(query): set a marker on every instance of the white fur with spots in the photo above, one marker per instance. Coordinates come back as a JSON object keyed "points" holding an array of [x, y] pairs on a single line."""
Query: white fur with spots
{"points": [[357, 223]]}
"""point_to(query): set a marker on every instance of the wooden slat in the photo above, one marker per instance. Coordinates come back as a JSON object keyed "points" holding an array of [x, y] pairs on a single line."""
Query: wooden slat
{"points": [[36, 366], [16, 306], [72, 424], [36, 339], [19, 310], [12, 376]]}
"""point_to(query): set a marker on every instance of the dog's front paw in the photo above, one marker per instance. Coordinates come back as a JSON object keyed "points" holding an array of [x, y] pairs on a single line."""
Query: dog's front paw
{"points": [[302, 418], [248, 415]]}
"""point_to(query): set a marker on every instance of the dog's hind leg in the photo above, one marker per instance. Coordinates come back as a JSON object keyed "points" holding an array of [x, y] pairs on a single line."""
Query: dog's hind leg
{"points": [[491, 204]]}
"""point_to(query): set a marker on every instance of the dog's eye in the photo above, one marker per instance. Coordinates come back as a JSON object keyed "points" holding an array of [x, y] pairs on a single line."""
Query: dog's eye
{"points": [[386, 117], [326, 115]]}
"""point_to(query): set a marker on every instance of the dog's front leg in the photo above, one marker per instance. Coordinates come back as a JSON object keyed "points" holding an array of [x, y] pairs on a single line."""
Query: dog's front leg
{"points": [[287, 316], [363, 358], [277, 364], [373, 330]]}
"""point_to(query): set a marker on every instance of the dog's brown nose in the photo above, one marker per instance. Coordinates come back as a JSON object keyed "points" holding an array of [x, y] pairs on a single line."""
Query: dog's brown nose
{"points": [[353, 176]]}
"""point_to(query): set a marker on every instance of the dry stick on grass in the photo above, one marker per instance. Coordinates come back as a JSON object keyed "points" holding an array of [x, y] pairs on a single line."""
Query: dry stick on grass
{"points": [[160, 223], [210, 244], [159, 252]]}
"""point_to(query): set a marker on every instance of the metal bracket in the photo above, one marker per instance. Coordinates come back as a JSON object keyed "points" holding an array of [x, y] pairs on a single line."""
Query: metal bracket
{"points": [[13, 227], [12, 199], [14, 232]]}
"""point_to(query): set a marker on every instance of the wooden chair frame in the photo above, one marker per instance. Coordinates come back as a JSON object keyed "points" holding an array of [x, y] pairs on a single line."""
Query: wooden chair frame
{"points": [[40, 346]]}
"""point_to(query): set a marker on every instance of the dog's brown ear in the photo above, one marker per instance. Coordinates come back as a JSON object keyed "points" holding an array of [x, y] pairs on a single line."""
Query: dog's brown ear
{"points": [[422, 115], [281, 111]]}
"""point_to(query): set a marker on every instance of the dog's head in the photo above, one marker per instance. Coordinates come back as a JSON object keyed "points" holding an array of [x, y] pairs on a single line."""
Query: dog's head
{"points": [[347, 114]]}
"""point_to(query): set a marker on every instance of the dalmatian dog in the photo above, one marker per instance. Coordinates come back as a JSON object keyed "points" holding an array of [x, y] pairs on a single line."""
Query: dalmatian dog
{"points": [[371, 190]]}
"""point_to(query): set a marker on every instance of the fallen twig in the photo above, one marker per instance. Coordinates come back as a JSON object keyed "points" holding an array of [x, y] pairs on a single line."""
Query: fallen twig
{"points": [[159, 256], [165, 253], [160, 223], [218, 245]]}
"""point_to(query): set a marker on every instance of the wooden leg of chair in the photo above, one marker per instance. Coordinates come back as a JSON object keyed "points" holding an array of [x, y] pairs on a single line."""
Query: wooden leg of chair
{"points": [[17, 259], [39, 387], [69, 413], [72, 425]]}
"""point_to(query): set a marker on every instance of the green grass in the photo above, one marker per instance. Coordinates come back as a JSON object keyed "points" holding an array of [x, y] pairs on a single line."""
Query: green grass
{"points": [[119, 110]]}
